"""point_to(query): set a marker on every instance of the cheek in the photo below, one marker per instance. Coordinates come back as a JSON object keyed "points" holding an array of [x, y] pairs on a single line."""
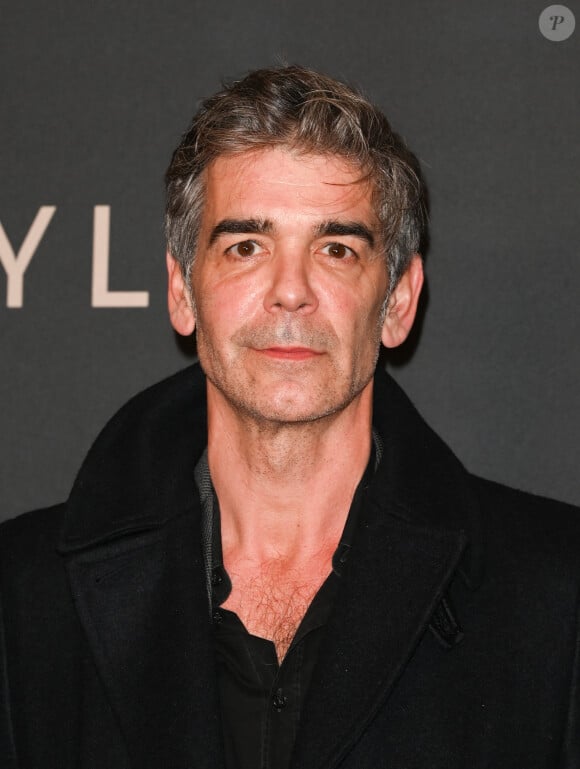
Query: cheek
{"points": [[221, 308], [359, 319], [367, 336]]}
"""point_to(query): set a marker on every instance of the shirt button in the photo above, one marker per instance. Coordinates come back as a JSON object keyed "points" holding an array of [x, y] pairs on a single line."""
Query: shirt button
{"points": [[217, 616], [279, 700]]}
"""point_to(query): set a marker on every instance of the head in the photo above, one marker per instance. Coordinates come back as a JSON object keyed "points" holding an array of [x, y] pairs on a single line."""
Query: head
{"points": [[296, 108]]}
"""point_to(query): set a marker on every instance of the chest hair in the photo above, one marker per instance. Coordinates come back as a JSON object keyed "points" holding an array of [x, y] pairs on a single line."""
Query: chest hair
{"points": [[271, 601]]}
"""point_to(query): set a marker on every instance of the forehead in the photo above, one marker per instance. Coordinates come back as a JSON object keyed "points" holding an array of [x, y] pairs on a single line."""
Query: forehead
{"points": [[278, 182]]}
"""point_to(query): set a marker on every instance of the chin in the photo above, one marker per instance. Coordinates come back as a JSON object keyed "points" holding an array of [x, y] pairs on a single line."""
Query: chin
{"points": [[277, 400], [297, 408]]}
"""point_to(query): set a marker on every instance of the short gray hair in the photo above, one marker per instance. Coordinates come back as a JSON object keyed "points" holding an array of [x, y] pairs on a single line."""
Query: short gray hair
{"points": [[305, 111]]}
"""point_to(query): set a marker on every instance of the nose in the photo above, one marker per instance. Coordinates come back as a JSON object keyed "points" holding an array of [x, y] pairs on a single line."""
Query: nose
{"points": [[290, 287]]}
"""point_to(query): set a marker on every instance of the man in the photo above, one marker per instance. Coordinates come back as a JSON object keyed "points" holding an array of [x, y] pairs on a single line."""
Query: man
{"points": [[271, 561]]}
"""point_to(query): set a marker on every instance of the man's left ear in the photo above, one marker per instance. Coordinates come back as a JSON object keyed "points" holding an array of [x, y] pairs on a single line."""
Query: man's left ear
{"points": [[402, 306], [179, 299]]}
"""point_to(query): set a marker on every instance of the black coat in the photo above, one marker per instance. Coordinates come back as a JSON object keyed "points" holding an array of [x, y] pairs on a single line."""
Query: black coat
{"points": [[453, 644]]}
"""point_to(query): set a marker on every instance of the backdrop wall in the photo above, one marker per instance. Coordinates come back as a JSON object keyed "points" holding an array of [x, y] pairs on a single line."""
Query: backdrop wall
{"points": [[95, 96]]}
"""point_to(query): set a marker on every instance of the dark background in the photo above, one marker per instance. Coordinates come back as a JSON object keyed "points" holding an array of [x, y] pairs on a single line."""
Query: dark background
{"points": [[95, 96]]}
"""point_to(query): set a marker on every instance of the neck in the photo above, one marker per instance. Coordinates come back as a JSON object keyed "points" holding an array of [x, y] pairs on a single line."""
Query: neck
{"points": [[285, 489]]}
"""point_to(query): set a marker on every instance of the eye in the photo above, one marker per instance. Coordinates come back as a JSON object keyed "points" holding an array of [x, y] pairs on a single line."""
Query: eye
{"points": [[244, 249], [337, 250]]}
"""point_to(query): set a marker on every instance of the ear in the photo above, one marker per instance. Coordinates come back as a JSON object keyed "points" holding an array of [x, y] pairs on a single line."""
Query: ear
{"points": [[181, 312], [402, 306]]}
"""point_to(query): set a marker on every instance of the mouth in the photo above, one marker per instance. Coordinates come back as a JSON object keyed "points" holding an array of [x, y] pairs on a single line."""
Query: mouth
{"points": [[290, 353]]}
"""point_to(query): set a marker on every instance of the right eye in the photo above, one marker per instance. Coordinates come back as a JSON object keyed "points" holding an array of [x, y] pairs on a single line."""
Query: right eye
{"points": [[244, 249]]}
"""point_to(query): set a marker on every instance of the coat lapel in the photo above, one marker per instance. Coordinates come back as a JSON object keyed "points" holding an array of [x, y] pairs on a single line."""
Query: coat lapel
{"points": [[394, 581], [143, 604]]}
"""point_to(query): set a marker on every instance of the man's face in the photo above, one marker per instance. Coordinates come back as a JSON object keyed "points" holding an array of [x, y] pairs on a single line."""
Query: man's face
{"points": [[288, 285]]}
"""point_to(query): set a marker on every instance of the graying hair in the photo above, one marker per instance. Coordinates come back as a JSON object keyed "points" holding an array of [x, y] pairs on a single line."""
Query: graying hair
{"points": [[307, 112]]}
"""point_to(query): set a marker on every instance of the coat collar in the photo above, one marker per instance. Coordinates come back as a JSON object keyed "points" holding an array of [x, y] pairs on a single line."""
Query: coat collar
{"points": [[421, 481], [138, 474]]}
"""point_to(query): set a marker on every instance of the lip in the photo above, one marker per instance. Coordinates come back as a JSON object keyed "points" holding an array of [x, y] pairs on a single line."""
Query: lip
{"points": [[290, 353]]}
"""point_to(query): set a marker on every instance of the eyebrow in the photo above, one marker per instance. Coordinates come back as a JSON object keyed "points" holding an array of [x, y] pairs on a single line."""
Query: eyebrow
{"points": [[264, 226], [240, 227], [357, 229]]}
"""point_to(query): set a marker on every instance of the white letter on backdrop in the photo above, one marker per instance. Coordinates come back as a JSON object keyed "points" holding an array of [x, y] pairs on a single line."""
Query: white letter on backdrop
{"points": [[16, 264], [101, 296]]}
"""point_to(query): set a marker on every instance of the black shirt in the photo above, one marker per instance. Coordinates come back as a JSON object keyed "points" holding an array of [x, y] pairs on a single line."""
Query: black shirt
{"points": [[261, 700]]}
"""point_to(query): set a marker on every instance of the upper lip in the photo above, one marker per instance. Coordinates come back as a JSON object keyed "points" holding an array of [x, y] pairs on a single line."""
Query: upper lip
{"points": [[290, 348], [287, 347]]}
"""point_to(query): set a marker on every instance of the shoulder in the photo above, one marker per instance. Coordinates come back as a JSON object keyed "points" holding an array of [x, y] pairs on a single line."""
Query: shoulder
{"points": [[33, 526], [517, 507], [35, 596], [145, 445], [530, 531], [29, 541]]}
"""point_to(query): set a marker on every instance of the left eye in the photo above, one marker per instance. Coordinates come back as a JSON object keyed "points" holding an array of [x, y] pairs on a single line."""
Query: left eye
{"points": [[245, 248], [337, 250]]}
